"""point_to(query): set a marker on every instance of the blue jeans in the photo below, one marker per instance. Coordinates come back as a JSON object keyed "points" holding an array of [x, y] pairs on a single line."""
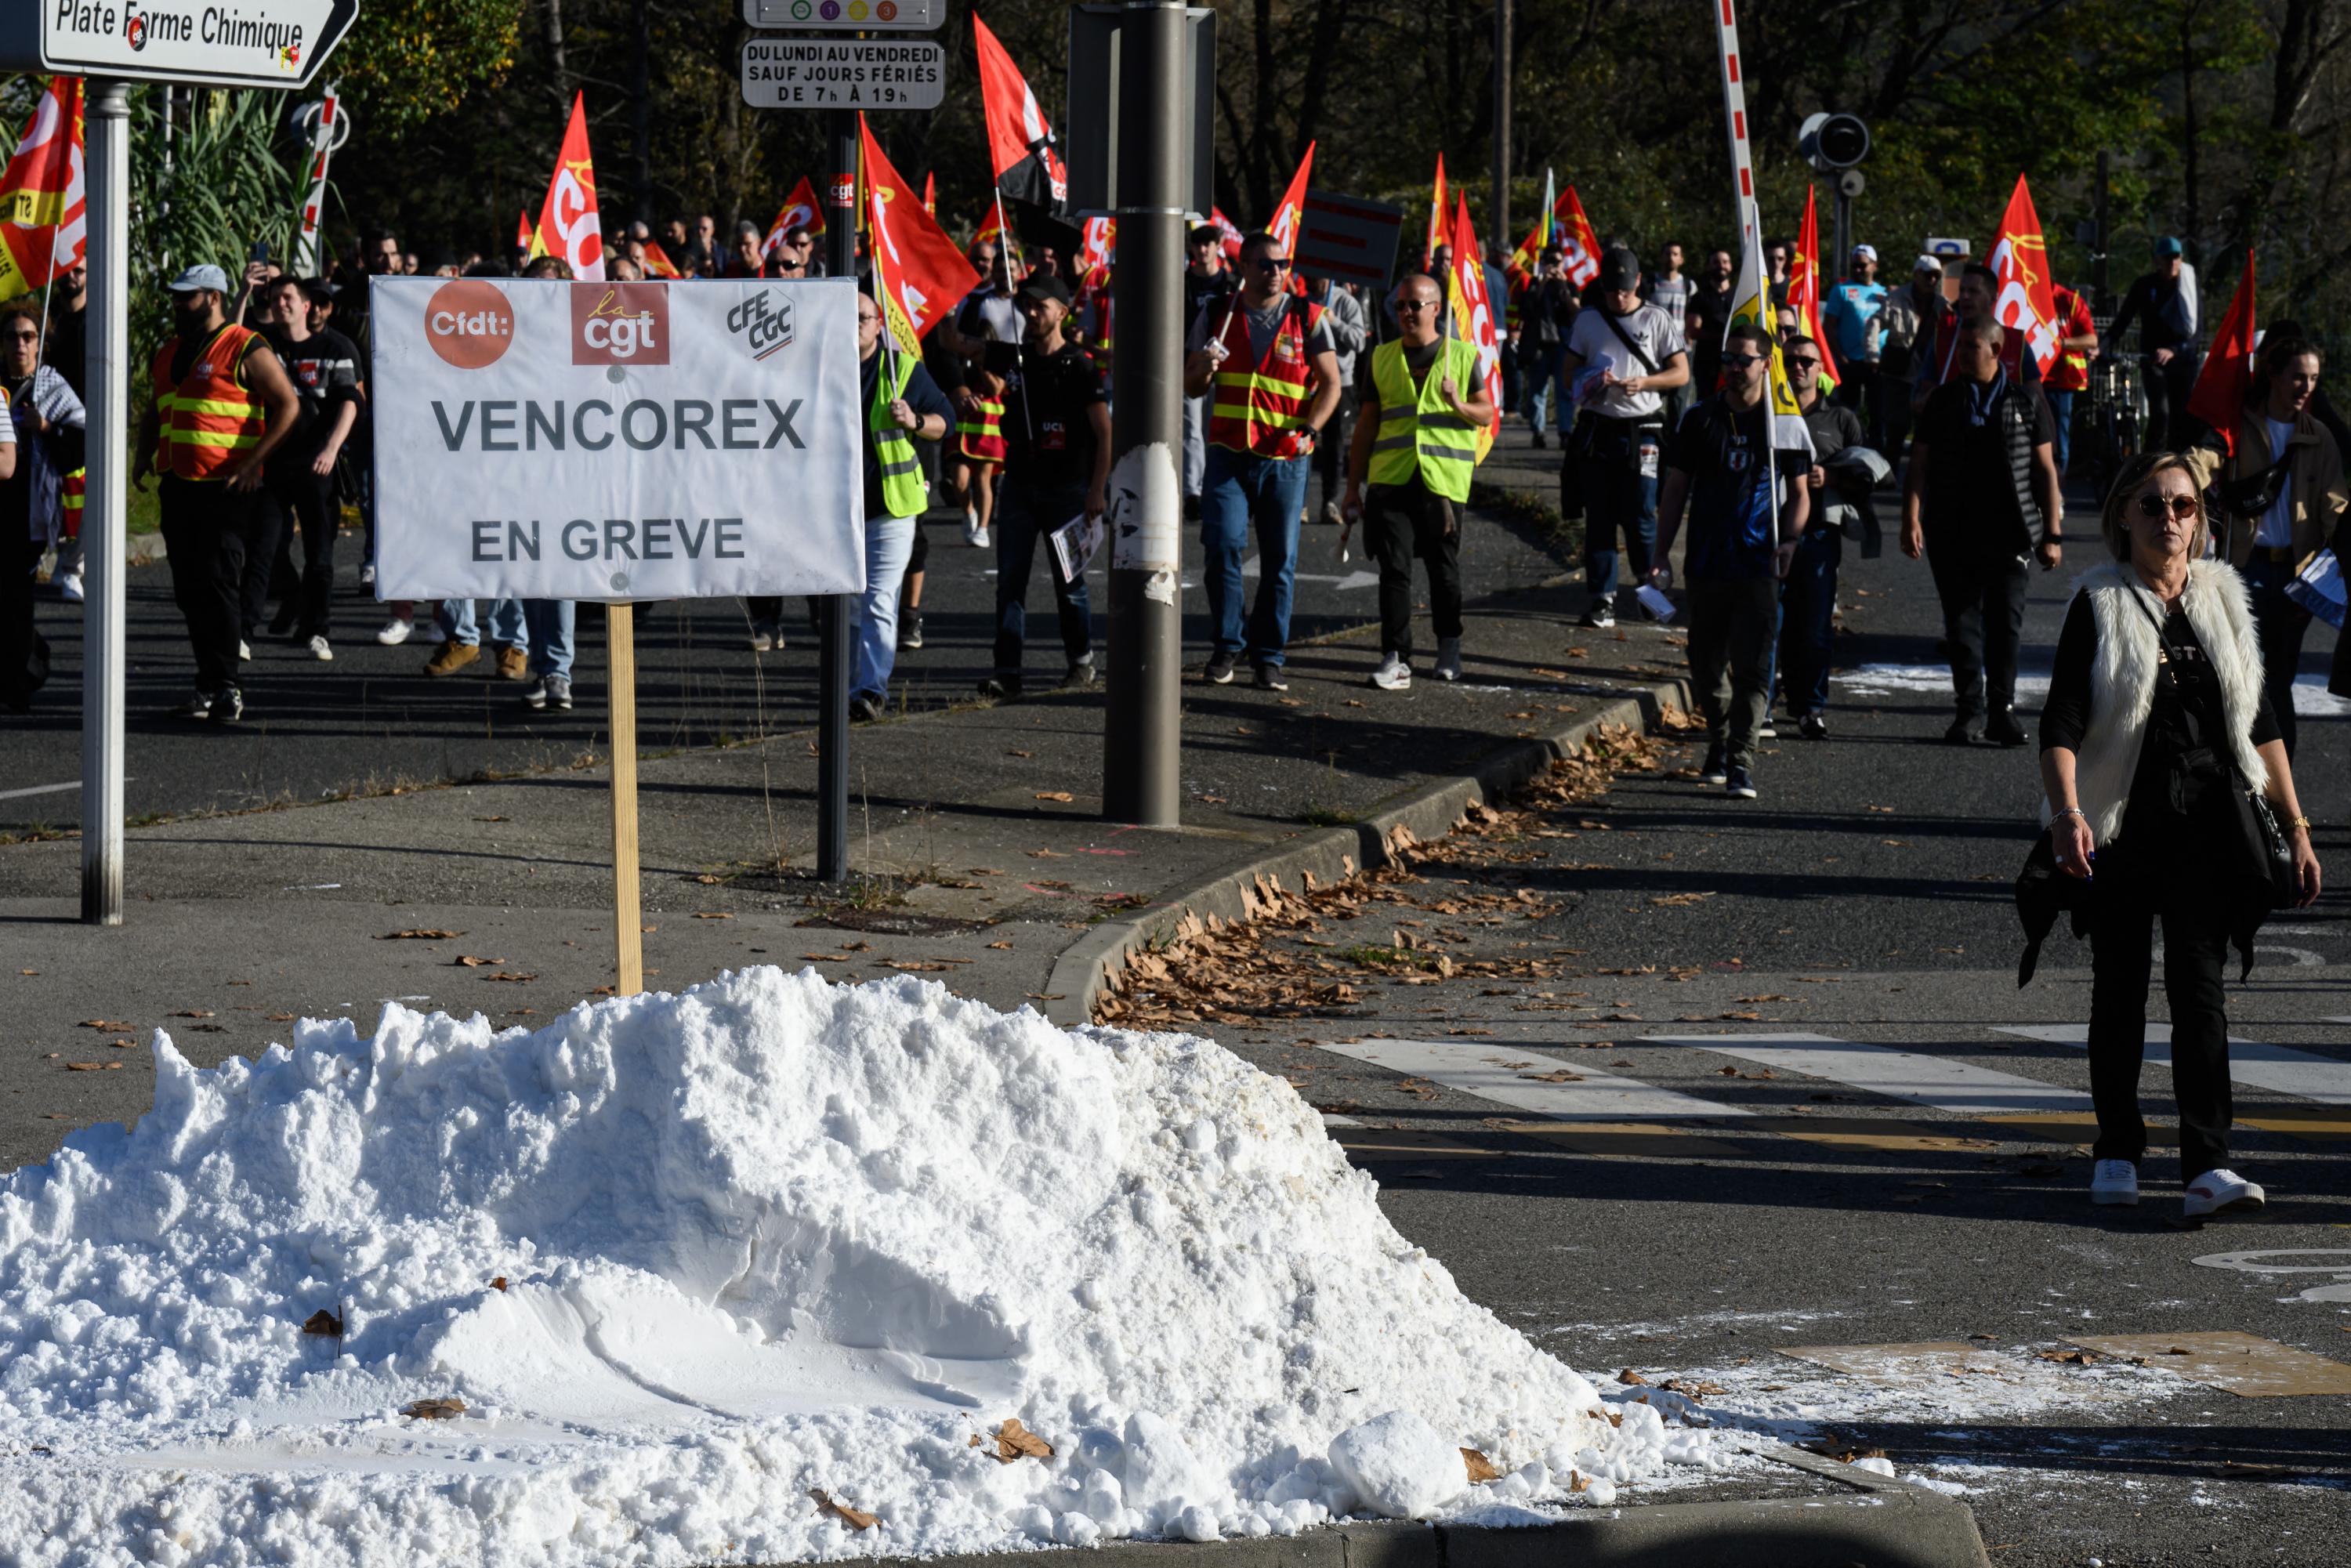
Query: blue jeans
{"points": [[889, 542], [1617, 496], [2281, 624], [1023, 518], [1547, 375], [549, 623], [1242, 490], [2060, 410], [1807, 620], [506, 622]]}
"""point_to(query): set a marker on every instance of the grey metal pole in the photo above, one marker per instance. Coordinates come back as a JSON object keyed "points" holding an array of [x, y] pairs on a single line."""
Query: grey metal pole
{"points": [[1499, 233], [1142, 737], [1835, 265], [104, 548], [834, 623]]}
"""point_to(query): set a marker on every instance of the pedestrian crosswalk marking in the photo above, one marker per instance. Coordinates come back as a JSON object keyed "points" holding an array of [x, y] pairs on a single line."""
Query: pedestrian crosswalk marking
{"points": [[1960, 1088], [2280, 1068], [1494, 1072]]}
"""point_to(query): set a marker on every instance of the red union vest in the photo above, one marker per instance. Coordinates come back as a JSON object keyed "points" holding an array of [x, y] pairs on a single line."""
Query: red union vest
{"points": [[1257, 406], [206, 419]]}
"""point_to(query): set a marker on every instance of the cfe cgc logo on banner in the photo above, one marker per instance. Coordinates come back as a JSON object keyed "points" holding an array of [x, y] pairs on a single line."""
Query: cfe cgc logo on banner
{"points": [[616, 441]]}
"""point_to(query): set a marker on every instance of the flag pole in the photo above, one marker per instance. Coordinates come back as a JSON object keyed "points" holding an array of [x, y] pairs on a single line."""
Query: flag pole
{"points": [[1019, 357]]}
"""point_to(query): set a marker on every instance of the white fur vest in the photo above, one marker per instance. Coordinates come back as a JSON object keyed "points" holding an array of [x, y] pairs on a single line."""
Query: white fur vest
{"points": [[2124, 670]]}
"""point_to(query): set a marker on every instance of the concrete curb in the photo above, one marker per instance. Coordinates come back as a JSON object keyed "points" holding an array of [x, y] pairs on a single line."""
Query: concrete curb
{"points": [[1883, 1524], [1232, 892]]}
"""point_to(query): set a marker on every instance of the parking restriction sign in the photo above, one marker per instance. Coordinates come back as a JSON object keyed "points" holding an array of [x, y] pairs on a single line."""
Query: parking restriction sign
{"points": [[826, 73]]}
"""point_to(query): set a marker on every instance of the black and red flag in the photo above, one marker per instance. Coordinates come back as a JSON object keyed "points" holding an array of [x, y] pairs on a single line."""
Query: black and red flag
{"points": [[1020, 145]]}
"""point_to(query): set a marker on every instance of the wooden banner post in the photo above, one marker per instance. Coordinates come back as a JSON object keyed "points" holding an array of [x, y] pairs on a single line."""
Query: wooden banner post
{"points": [[628, 920]]}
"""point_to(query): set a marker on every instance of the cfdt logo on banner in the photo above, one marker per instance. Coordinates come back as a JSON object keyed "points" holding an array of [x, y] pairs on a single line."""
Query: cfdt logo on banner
{"points": [[468, 324]]}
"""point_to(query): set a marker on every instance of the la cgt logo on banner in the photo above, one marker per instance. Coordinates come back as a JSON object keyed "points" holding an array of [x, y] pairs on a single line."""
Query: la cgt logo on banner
{"points": [[616, 441]]}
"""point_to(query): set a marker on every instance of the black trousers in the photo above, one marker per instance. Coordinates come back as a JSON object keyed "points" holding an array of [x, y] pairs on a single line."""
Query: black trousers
{"points": [[2122, 949], [1403, 523], [1983, 624], [2169, 426], [207, 531], [17, 558], [294, 501]]}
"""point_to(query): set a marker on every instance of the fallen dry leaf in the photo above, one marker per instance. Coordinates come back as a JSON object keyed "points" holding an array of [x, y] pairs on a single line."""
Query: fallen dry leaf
{"points": [[1001, 946], [467, 961], [1629, 1375], [714, 914], [706, 880], [1578, 1481], [90, 1066], [421, 934], [436, 1409], [281, 1017], [1047, 855], [857, 1519], [499, 1283], [1055, 795], [192, 1013], [103, 1023], [1480, 1467], [1019, 754], [323, 1322], [519, 980], [826, 957], [1013, 1441], [915, 966]]}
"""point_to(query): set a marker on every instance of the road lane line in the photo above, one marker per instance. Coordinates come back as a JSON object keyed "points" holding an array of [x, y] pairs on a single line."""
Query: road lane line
{"points": [[46, 790], [1487, 1072], [2280, 1068], [1960, 1088]]}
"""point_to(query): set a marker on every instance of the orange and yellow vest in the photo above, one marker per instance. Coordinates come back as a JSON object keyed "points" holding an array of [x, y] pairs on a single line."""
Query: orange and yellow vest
{"points": [[70, 495], [1259, 407], [207, 419], [982, 439]]}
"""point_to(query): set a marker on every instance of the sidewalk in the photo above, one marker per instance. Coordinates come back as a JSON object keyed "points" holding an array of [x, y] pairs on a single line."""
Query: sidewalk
{"points": [[980, 857]]}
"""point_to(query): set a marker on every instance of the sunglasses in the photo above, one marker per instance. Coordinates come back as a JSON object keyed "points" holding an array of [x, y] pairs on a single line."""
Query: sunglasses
{"points": [[1741, 361], [1272, 263], [1415, 304], [2154, 506], [1804, 364]]}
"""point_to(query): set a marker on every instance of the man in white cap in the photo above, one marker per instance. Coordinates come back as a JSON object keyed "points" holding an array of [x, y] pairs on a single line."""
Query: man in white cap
{"points": [[1849, 317], [222, 403], [1908, 324]]}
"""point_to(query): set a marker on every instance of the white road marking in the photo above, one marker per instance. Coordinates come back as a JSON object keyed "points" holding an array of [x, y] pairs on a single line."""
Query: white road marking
{"points": [[2311, 697], [46, 789], [2277, 1068], [1488, 1071], [1959, 1087]]}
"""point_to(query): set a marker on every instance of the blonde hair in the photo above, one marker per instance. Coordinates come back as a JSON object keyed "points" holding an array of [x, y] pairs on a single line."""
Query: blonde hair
{"points": [[2114, 522]]}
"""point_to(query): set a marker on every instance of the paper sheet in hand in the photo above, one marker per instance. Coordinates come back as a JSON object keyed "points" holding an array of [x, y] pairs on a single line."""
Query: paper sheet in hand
{"points": [[1074, 543], [2318, 587]]}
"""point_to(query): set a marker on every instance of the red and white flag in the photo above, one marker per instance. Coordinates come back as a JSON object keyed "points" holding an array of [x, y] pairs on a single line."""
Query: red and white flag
{"points": [[1290, 215], [799, 209], [1804, 288], [43, 226], [1228, 233], [919, 274], [1101, 243], [2227, 378], [1473, 310], [657, 261], [522, 230], [2026, 303], [1021, 146], [568, 224]]}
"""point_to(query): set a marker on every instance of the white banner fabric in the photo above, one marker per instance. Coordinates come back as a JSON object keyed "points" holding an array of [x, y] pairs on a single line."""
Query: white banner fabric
{"points": [[614, 442]]}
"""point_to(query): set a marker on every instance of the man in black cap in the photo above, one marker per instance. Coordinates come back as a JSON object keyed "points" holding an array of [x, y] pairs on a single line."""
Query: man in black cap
{"points": [[2163, 303], [1056, 465], [1623, 357]]}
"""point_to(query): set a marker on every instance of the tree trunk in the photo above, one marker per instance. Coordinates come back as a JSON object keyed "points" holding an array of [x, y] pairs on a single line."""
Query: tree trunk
{"points": [[640, 115], [562, 73], [2188, 127]]}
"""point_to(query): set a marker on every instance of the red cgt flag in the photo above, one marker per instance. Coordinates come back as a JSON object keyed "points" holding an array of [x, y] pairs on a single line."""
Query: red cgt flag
{"points": [[1289, 216], [1021, 146], [2026, 304], [919, 274], [931, 194], [1436, 217], [42, 203], [657, 261], [2227, 378], [1473, 311], [1572, 232], [1228, 233], [1804, 288], [522, 230], [568, 226], [799, 208]]}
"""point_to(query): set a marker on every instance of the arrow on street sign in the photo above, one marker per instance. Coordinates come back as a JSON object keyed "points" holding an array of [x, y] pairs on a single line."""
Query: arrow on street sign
{"points": [[258, 43]]}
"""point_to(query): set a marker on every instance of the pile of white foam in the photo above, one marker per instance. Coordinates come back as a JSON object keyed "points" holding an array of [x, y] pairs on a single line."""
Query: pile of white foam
{"points": [[690, 1262]]}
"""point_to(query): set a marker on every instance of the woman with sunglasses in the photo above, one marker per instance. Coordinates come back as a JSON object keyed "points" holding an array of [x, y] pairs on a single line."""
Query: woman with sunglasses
{"points": [[2156, 718]]}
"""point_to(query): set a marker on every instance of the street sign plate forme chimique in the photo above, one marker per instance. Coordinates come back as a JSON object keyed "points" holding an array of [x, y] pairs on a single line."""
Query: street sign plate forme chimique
{"points": [[225, 43]]}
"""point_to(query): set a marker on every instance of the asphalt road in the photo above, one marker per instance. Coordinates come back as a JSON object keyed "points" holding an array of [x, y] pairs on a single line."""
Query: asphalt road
{"points": [[372, 720], [1846, 1196]]}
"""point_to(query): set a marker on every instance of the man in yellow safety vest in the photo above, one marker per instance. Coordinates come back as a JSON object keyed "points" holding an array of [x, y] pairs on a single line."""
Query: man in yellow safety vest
{"points": [[1423, 404]]}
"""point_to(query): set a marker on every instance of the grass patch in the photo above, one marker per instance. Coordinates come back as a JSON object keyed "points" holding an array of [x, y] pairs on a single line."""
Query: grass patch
{"points": [[1320, 816]]}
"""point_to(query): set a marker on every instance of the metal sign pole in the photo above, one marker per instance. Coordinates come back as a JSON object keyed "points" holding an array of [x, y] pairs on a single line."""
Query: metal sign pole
{"points": [[834, 621], [107, 123], [1142, 732]]}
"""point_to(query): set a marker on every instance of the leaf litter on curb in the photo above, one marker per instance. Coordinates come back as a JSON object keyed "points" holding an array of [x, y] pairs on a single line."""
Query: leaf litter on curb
{"points": [[1304, 952]]}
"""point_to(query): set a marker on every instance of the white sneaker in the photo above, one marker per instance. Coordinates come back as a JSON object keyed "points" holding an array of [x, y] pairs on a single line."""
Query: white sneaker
{"points": [[2219, 1190], [1394, 674], [1448, 658], [2114, 1181], [978, 536], [395, 631], [320, 651], [69, 585], [973, 534]]}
